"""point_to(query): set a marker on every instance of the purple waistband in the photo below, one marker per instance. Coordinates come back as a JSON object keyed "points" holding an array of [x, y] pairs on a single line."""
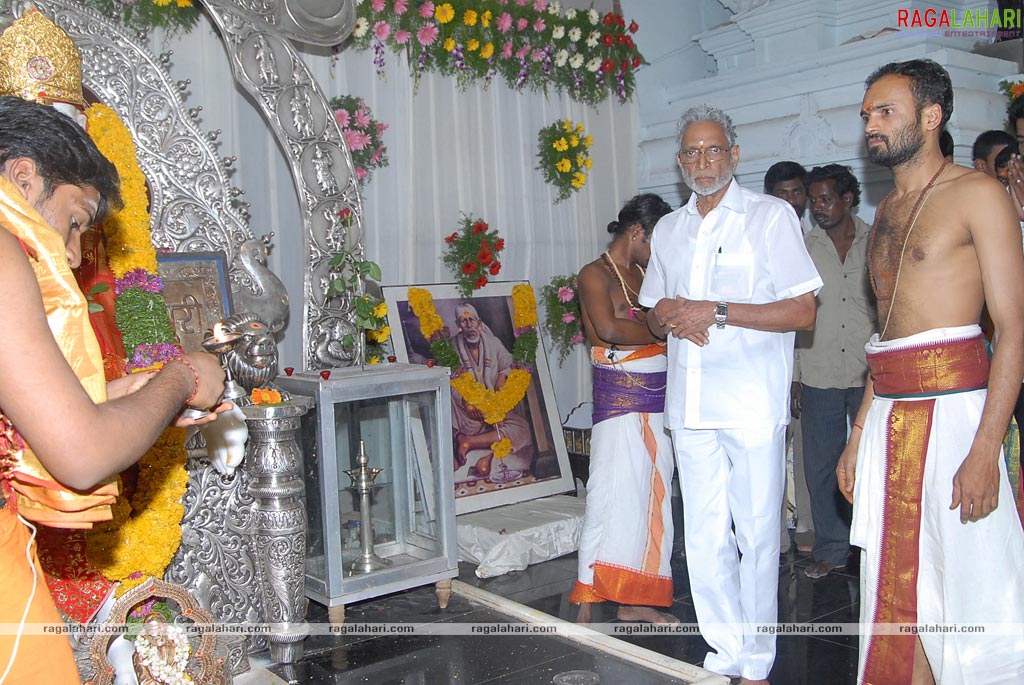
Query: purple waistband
{"points": [[617, 393]]}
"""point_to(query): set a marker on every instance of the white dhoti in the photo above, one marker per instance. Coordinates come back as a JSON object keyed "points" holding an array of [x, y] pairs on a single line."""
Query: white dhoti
{"points": [[626, 542], [920, 563]]}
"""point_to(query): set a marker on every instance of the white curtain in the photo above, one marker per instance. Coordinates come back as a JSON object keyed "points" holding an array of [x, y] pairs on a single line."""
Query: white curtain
{"points": [[449, 152]]}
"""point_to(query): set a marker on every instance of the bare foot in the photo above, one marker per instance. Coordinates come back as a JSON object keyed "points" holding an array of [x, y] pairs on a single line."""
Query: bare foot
{"points": [[461, 449], [647, 614], [584, 615], [482, 468]]}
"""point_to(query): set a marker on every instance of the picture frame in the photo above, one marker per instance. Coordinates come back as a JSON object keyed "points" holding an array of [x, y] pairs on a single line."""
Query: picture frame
{"points": [[197, 293], [538, 466]]}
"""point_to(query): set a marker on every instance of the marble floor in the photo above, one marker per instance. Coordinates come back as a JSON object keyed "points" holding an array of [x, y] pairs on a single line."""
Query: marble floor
{"points": [[504, 659]]}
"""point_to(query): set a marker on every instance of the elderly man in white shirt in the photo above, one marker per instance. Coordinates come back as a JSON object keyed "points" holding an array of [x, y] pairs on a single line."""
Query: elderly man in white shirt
{"points": [[730, 280]]}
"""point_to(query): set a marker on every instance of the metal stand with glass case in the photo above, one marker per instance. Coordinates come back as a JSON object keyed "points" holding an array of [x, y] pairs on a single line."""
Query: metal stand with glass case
{"points": [[387, 524]]}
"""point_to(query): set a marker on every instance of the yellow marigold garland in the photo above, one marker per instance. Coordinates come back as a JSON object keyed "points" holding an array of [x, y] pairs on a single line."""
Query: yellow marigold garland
{"points": [[422, 304], [494, 404], [129, 245], [145, 532], [524, 306]]}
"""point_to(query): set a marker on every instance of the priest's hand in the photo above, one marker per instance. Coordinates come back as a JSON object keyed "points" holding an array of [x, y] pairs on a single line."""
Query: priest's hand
{"points": [[126, 385]]}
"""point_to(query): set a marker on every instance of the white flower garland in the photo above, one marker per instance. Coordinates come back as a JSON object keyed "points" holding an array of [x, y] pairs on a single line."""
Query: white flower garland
{"points": [[169, 673]]}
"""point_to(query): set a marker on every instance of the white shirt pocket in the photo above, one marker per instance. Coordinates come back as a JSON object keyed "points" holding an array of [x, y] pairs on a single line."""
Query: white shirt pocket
{"points": [[732, 277]]}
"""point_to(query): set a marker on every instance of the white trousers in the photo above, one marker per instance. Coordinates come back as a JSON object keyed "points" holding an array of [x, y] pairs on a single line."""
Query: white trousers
{"points": [[732, 482]]}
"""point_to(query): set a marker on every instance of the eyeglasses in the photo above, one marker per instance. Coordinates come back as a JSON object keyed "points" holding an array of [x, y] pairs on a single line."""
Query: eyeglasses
{"points": [[715, 153]]}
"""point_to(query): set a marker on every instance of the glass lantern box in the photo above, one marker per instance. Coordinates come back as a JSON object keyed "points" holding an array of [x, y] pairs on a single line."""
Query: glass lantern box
{"points": [[399, 417]]}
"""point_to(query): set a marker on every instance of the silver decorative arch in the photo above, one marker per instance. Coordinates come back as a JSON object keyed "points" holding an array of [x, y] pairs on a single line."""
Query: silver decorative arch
{"points": [[265, 63], [193, 205]]}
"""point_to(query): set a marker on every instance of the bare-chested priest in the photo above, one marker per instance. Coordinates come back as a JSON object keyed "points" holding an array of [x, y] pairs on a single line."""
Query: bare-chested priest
{"points": [[932, 503]]}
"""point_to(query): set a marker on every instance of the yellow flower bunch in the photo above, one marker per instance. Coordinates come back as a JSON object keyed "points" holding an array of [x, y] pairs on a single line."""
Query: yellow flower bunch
{"points": [[265, 396], [381, 335], [449, 44], [524, 306], [564, 171], [422, 304], [502, 448], [494, 404], [145, 532]]}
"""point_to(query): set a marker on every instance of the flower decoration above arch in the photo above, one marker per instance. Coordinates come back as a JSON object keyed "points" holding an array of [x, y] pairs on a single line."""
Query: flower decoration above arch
{"points": [[528, 44], [173, 15]]}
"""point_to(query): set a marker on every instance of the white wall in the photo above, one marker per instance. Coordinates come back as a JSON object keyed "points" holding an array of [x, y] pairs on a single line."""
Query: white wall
{"points": [[791, 74]]}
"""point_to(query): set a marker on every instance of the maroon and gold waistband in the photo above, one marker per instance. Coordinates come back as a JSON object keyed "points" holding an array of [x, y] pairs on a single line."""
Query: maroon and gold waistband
{"points": [[938, 368]]}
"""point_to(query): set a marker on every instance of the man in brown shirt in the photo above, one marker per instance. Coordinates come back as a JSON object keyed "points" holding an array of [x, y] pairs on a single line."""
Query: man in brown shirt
{"points": [[832, 364]]}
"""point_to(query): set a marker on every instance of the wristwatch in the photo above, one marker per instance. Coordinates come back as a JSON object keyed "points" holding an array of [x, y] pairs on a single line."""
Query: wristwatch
{"points": [[721, 314]]}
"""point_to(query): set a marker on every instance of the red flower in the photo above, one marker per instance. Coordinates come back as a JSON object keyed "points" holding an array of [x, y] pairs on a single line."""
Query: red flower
{"points": [[451, 238], [625, 65], [608, 39], [481, 281], [620, 20], [636, 62], [608, 66], [629, 42], [484, 245], [345, 213], [609, 19], [495, 268], [485, 257], [499, 244], [468, 267], [480, 227], [623, 39], [633, 26]]}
